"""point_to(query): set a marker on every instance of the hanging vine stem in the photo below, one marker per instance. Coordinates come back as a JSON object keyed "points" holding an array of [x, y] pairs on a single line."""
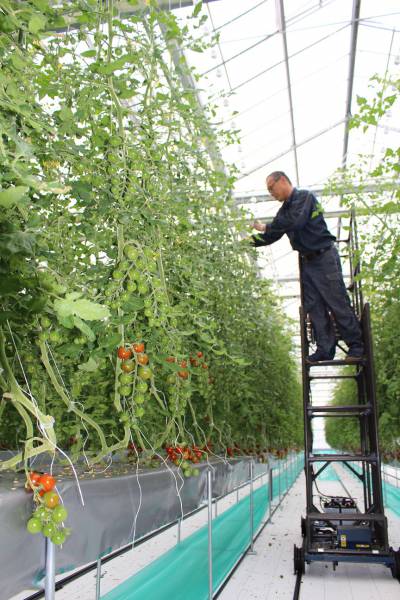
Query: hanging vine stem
{"points": [[25, 407], [70, 404]]}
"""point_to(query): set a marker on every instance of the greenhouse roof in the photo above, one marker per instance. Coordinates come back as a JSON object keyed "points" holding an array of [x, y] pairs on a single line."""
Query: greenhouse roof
{"points": [[287, 74]]}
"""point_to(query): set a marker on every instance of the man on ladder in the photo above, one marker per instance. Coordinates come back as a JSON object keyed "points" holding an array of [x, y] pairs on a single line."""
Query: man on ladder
{"points": [[301, 218]]}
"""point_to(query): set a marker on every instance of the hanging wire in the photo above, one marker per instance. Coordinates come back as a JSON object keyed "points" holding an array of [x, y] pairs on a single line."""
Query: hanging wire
{"points": [[264, 39], [241, 15], [220, 50], [264, 71]]}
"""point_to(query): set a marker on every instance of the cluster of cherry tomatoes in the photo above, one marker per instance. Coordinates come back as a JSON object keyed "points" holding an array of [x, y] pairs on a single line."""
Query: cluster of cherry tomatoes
{"points": [[183, 373], [133, 357], [49, 515], [185, 456]]}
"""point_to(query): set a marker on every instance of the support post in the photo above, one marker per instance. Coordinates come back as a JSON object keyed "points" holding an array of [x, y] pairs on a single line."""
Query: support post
{"points": [[271, 489], [50, 580], [279, 481], [251, 551], [210, 561], [179, 531], [98, 578]]}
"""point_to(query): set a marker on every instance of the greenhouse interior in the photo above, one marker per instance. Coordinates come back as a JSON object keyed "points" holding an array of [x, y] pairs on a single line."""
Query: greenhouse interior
{"points": [[200, 285]]}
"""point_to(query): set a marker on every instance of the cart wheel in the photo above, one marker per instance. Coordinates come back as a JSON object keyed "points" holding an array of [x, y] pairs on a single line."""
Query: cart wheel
{"points": [[298, 560], [303, 527], [396, 567]]}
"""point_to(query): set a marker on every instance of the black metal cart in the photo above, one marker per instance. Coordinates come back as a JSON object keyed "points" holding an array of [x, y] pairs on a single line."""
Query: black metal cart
{"points": [[341, 530]]}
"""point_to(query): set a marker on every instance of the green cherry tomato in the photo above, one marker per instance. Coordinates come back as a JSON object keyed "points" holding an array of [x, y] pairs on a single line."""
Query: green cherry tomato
{"points": [[45, 322], [55, 337], [123, 265], [58, 537], [140, 411], [40, 513], [196, 472], [51, 499], [128, 366], [49, 529], [59, 514], [143, 289], [145, 373], [125, 297], [117, 275], [34, 525], [147, 302], [148, 312], [131, 286], [131, 252], [125, 378], [124, 390], [139, 398], [142, 387]]}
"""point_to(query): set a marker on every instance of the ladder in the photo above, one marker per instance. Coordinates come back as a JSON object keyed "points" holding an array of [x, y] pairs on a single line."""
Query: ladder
{"points": [[340, 530]]}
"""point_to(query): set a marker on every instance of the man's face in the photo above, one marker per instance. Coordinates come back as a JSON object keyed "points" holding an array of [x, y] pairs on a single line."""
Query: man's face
{"points": [[280, 189]]}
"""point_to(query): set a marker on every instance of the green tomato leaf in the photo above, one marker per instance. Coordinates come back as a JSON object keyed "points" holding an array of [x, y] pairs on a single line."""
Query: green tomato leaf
{"points": [[197, 9], [90, 311], [36, 23], [90, 366], [84, 327], [12, 195]]}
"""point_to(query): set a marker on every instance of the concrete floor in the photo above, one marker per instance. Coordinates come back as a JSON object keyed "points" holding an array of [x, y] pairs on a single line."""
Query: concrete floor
{"points": [[268, 575]]}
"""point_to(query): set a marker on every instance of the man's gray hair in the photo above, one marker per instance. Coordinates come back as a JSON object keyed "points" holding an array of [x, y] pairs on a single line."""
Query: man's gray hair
{"points": [[277, 175]]}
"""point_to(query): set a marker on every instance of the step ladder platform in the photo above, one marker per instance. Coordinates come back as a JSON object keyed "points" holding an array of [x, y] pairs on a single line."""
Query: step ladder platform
{"points": [[338, 362], [370, 458], [333, 410]]}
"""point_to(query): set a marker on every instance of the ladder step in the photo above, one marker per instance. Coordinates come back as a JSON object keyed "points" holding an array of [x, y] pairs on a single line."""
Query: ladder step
{"points": [[342, 458], [340, 362], [351, 408], [356, 516], [354, 376]]}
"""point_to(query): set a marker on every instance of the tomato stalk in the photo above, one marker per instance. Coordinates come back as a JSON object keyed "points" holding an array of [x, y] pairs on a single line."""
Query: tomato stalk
{"points": [[69, 403]]}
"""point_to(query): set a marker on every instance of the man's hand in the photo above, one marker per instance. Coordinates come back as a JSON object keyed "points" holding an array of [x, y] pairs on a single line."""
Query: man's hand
{"points": [[259, 226]]}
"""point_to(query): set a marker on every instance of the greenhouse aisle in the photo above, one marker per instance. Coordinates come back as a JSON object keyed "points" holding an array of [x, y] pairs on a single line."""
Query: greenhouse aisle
{"points": [[269, 574]]}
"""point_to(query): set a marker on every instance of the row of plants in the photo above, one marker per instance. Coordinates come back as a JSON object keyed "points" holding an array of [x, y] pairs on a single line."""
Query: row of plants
{"points": [[132, 318], [379, 235]]}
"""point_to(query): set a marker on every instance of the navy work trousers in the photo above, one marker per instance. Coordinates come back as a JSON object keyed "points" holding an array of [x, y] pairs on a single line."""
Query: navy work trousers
{"points": [[324, 290]]}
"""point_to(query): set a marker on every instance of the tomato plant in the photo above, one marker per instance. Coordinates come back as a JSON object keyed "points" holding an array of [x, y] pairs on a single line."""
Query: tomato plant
{"points": [[118, 242]]}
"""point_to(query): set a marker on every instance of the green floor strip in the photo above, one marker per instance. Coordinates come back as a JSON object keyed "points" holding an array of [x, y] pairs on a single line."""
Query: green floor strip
{"points": [[182, 572]]}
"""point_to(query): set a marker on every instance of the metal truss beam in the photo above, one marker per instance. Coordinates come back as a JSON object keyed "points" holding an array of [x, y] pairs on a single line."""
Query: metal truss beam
{"points": [[282, 27], [302, 143], [125, 9], [368, 188], [355, 18]]}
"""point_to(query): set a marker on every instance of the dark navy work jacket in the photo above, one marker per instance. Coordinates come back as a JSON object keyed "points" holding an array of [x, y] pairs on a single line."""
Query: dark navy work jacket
{"points": [[301, 218]]}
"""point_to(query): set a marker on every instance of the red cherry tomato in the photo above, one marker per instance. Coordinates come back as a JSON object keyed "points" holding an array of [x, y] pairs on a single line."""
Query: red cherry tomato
{"points": [[171, 359], [205, 366], [138, 347], [183, 364], [183, 374], [47, 482], [199, 354], [142, 359], [124, 353], [32, 482]]}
